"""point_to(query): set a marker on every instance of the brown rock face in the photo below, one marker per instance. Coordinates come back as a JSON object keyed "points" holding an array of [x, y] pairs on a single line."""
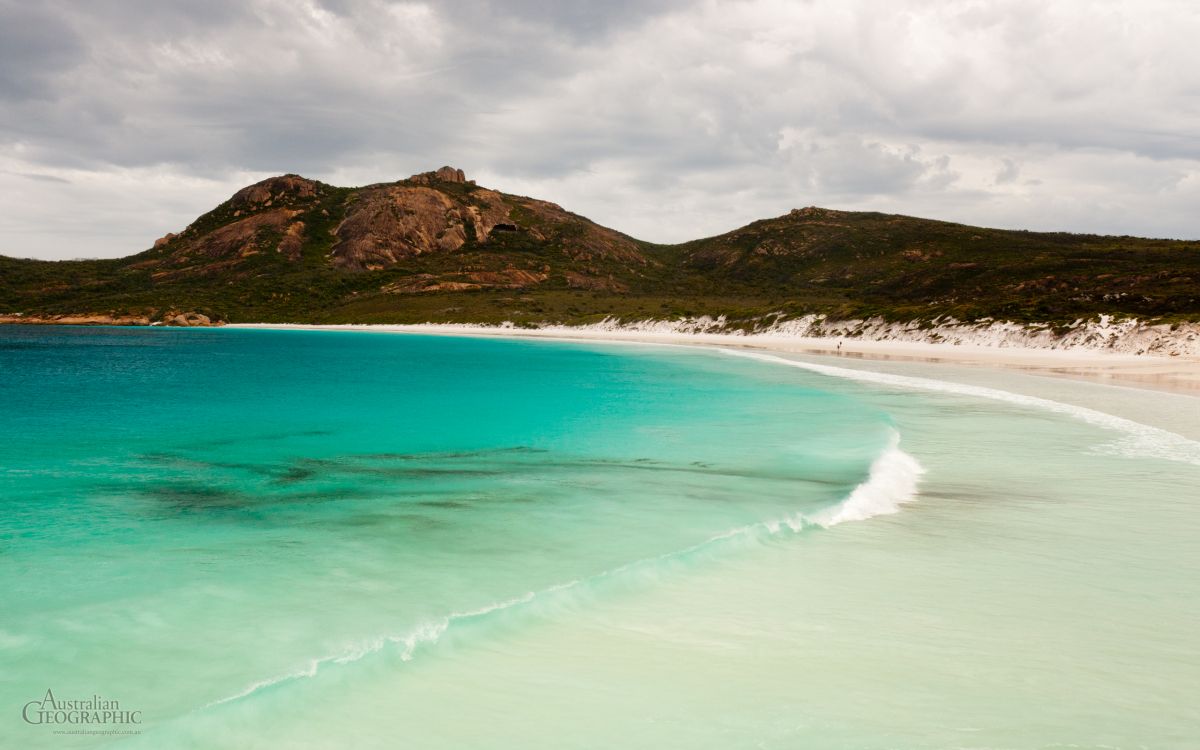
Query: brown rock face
{"points": [[509, 278], [272, 190], [239, 237], [293, 241], [187, 320], [493, 214], [445, 174], [262, 220], [450, 174], [387, 224]]}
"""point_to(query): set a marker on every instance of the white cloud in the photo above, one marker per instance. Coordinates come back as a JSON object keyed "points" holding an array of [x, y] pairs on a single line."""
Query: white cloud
{"points": [[666, 120]]}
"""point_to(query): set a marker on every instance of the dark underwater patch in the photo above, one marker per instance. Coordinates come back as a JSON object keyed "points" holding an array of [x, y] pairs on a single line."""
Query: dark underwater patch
{"points": [[195, 497], [174, 460], [266, 437], [448, 504], [317, 467], [447, 455], [295, 474]]}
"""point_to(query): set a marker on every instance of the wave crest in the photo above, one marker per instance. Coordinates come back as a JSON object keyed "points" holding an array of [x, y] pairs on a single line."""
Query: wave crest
{"points": [[892, 482]]}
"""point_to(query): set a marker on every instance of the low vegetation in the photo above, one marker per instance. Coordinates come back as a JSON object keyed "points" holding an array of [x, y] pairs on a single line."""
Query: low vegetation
{"points": [[447, 251]]}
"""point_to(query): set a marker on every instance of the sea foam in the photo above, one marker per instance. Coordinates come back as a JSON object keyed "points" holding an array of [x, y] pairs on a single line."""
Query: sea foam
{"points": [[891, 483]]}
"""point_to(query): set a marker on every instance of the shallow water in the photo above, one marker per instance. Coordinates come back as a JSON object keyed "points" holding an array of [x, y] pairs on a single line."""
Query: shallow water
{"points": [[312, 539]]}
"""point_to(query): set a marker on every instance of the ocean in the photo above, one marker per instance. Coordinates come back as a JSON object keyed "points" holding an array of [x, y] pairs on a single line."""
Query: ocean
{"points": [[307, 539]]}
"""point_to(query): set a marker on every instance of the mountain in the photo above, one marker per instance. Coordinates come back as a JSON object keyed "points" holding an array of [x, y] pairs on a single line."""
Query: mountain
{"points": [[438, 247]]}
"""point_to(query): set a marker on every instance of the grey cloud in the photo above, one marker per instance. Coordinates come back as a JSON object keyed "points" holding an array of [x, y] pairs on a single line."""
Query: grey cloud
{"points": [[42, 177], [149, 20], [909, 105], [581, 19], [1009, 172], [34, 46]]}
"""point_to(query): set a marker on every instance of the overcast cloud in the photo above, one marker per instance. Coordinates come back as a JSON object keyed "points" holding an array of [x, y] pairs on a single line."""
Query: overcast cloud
{"points": [[121, 120]]}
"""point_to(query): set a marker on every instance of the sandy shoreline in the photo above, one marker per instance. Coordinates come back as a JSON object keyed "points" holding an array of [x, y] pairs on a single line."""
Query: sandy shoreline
{"points": [[1174, 374]]}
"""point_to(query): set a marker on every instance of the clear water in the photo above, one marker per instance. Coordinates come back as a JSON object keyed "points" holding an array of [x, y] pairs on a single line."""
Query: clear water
{"points": [[320, 539]]}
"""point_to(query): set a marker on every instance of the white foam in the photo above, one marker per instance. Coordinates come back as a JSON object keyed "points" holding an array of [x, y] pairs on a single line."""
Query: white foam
{"points": [[309, 671], [891, 483], [428, 632], [1138, 439]]}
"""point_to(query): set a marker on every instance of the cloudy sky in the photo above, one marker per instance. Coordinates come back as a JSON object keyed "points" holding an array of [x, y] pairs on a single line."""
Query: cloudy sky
{"points": [[121, 120]]}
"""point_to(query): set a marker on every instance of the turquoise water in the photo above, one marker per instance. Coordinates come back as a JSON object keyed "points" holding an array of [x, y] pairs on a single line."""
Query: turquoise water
{"points": [[321, 539]]}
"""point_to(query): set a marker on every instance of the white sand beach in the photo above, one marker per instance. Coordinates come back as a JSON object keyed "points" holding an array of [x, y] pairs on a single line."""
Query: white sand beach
{"points": [[1179, 373]]}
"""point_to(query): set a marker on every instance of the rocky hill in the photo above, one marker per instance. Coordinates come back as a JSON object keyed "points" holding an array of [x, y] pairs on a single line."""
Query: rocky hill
{"points": [[438, 247]]}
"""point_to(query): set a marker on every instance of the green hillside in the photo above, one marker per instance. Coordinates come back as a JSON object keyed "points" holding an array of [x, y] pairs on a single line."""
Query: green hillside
{"points": [[436, 247]]}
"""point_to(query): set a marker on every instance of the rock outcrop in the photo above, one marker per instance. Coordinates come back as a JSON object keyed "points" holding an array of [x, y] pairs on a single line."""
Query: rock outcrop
{"points": [[272, 190], [186, 320], [388, 224], [444, 174], [292, 242], [239, 237]]}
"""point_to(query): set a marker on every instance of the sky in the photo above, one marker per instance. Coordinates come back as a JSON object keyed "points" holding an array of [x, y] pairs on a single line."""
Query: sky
{"points": [[122, 120]]}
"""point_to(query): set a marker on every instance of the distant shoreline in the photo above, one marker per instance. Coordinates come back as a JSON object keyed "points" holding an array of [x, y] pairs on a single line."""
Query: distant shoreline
{"points": [[1178, 374]]}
